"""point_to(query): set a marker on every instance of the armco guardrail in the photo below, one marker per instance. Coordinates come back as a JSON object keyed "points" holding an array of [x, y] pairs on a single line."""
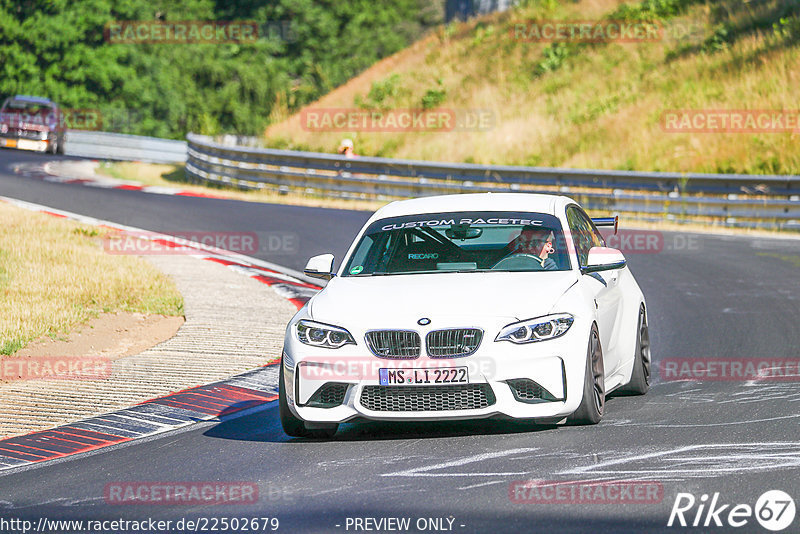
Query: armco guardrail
{"points": [[730, 199], [114, 146]]}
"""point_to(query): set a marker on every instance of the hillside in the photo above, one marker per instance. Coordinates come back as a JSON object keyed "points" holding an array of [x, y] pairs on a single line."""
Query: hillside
{"points": [[586, 105]]}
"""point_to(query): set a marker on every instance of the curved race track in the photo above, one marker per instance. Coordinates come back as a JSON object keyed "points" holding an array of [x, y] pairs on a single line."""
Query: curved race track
{"points": [[708, 296]]}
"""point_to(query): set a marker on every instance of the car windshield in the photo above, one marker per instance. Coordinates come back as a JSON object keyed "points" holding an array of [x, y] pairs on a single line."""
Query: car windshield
{"points": [[28, 111], [460, 242]]}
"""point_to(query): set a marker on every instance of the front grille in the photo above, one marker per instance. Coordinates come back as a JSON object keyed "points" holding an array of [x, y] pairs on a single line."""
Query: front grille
{"points": [[526, 390], [453, 343], [25, 134], [427, 398], [399, 344], [328, 396]]}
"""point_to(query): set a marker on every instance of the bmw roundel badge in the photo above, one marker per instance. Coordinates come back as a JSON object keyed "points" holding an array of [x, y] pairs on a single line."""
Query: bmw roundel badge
{"points": [[424, 321]]}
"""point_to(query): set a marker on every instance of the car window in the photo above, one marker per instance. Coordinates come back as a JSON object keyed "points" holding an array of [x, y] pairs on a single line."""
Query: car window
{"points": [[27, 112], [584, 233], [460, 241], [597, 238]]}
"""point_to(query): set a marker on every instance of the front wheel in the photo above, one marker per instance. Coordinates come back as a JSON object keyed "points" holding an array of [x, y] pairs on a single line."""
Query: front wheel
{"points": [[294, 426], [640, 377], [590, 411]]}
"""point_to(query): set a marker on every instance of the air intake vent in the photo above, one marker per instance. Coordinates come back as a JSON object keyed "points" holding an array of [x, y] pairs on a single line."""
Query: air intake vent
{"points": [[526, 390], [328, 396], [427, 398], [395, 344], [453, 343]]}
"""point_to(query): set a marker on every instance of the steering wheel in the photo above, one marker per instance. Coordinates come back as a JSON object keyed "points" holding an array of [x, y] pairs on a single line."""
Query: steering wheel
{"points": [[519, 262]]}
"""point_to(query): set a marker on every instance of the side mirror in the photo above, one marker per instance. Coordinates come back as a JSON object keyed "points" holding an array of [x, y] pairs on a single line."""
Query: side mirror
{"points": [[320, 267], [603, 259]]}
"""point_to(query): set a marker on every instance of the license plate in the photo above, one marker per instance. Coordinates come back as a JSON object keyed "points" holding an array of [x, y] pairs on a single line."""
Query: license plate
{"points": [[438, 375], [26, 144]]}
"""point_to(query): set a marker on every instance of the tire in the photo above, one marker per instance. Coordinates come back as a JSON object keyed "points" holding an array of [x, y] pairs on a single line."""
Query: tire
{"points": [[294, 426], [590, 411], [60, 147], [640, 377]]}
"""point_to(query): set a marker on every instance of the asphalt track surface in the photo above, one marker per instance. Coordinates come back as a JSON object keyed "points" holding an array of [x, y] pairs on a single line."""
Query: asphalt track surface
{"points": [[708, 296]]}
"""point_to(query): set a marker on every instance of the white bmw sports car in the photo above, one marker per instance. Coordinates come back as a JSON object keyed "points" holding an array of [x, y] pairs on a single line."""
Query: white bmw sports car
{"points": [[467, 307]]}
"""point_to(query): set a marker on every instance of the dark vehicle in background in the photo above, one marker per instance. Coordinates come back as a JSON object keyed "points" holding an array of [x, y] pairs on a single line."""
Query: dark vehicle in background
{"points": [[32, 123]]}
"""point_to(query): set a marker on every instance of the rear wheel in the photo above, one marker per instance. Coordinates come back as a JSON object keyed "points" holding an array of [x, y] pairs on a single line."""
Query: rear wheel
{"points": [[294, 426], [640, 377], [590, 411], [60, 146]]}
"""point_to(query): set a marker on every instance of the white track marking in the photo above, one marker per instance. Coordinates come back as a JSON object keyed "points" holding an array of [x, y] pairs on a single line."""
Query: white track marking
{"points": [[702, 461], [704, 425], [424, 471], [628, 422], [482, 484]]}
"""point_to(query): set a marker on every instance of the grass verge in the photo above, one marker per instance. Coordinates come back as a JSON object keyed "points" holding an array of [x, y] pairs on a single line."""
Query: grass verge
{"points": [[173, 176], [54, 275]]}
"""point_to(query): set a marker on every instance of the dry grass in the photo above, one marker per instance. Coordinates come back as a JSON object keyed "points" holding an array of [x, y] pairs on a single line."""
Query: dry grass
{"points": [[54, 275], [145, 173], [600, 108]]}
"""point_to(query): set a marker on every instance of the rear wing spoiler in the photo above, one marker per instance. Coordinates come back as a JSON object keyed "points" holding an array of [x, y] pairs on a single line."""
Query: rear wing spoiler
{"points": [[607, 221]]}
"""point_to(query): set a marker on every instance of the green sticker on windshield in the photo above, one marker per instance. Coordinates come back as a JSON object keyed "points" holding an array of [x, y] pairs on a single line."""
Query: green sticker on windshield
{"points": [[357, 269]]}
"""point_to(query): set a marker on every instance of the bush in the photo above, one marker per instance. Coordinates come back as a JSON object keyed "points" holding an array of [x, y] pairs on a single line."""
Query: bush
{"points": [[57, 49]]}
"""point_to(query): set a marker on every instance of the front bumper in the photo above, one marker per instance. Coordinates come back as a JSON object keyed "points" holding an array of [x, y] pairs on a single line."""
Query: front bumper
{"points": [[25, 144], [501, 375]]}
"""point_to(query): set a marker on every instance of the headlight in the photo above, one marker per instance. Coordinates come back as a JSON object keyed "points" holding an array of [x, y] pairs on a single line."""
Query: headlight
{"points": [[323, 335], [43, 135], [538, 329], [3, 128]]}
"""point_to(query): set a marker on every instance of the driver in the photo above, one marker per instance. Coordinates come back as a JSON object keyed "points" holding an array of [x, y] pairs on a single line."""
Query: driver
{"points": [[538, 244]]}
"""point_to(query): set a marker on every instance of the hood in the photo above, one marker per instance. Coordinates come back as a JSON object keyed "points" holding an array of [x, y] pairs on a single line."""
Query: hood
{"points": [[391, 301]]}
